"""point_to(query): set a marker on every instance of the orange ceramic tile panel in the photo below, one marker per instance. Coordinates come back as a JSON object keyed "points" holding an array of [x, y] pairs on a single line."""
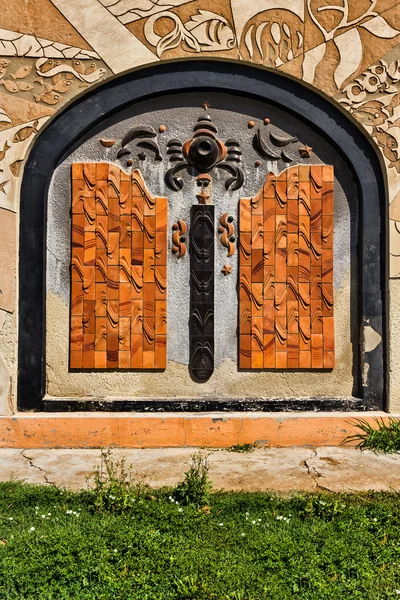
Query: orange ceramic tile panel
{"points": [[118, 271], [286, 272]]}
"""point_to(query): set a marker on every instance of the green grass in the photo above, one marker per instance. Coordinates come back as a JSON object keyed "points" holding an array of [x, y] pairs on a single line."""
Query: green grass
{"points": [[381, 437], [241, 547]]}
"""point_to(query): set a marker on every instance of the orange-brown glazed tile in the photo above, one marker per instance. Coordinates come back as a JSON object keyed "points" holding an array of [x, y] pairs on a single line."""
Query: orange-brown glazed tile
{"points": [[257, 232], [78, 232], [281, 360], [125, 198], [101, 300], [257, 299], [161, 318], [114, 176], [89, 176], [160, 278], [148, 359], [327, 199], [245, 352], [101, 198], [292, 307], [137, 351], [292, 283], [327, 231], [304, 173], [269, 248], [304, 299], [269, 187], [327, 173], [89, 283], [113, 248], [329, 360], [113, 215], [77, 268], [124, 265], [256, 203], [257, 345], [293, 183], [77, 171], [293, 353], [257, 265], [304, 199], [269, 351], [149, 228], [327, 299], [269, 216], [89, 249], [161, 214], [316, 181], [137, 248], [293, 216], [149, 264], [101, 231], [89, 211], [75, 359], [113, 283], [112, 351], [280, 265], [124, 359], [317, 361], [269, 283], [327, 266], [100, 340], [101, 265], [125, 299], [304, 261], [281, 231], [136, 317], [245, 317], [76, 334], [245, 250], [280, 334], [269, 316], [76, 299], [124, 334], [281, 194], [329, 334], [88, 316], [137, 282], [292, 250], [316, 316], [305, 360], [315, 283], [112, 317], [77, 189], [149, 299], [305, 334], [280, 299], [137, 214], [161, 248], [101, 171], [100, 360], [88, 351], [245, 215], [161, 352], [125, 231], [245, 283]]}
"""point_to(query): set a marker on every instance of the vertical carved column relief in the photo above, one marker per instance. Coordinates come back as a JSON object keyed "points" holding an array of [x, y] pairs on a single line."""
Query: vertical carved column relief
{"points": [[286, 272], [118, 271]]}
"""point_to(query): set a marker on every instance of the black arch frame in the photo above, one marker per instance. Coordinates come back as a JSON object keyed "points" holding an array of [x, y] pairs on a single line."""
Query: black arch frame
{"points": [[100, 103]]}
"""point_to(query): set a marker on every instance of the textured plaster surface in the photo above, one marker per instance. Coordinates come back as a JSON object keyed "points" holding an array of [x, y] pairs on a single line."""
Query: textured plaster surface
{"points": [[226, 380], [271, 469], [394, 345]]}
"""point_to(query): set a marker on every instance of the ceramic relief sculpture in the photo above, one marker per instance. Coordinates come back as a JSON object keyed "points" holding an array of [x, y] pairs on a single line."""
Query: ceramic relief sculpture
{"points": [[118, 270], [286, 272]]}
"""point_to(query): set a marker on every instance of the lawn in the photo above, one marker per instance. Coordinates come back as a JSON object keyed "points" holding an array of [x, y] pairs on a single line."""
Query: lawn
{"points": [[243, 546]]}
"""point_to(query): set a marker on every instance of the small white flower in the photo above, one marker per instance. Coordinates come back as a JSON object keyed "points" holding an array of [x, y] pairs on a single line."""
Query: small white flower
{"points": [[180, 509], [398, 592], [375, 519], [259, 520], [112, 497], [115, 550], [32, 529], [176, 502], [253, 522], [221, 524], [279, 518], [243, 534], [36, 508], [49, 514], [43, 516], [10, 518]]}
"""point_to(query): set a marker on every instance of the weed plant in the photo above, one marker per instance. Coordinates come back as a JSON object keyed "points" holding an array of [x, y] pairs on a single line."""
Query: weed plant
{"points": [[381, 437], [196, 487]]}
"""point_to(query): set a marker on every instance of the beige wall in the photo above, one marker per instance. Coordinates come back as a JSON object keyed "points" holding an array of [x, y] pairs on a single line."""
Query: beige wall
{"points": [[52, 50]]}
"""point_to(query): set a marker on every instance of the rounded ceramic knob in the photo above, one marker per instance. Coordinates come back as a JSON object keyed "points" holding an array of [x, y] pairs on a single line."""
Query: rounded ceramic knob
{"points": [[203, 152]]}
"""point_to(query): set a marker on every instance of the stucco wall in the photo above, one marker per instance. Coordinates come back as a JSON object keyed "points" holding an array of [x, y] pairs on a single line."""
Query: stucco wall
{"points": [[52, 50]]}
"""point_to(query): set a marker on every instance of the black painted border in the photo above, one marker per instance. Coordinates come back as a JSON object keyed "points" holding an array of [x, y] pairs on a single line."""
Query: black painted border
{"points": [[100, 103]]}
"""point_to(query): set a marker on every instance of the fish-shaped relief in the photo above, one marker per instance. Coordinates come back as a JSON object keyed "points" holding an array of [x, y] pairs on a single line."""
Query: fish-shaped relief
{"points": [[25, 132]]}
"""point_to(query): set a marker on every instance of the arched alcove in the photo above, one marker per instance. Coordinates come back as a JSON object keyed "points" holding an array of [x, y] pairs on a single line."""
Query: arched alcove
{"points": [[236, 84]]}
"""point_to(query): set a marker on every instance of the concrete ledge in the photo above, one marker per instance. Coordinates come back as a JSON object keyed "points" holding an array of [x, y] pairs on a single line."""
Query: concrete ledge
{"points": [[178, 430]]}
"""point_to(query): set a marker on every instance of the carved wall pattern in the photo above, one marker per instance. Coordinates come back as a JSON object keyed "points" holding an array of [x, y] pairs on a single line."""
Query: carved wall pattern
{"points": [[118, 271], [286, 272]]}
